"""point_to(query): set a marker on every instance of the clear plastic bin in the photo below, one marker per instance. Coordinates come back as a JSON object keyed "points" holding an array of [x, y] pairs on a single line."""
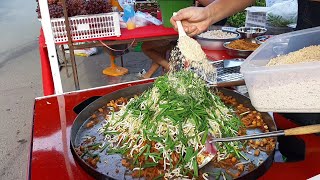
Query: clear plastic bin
{"points": [[284, 88]]}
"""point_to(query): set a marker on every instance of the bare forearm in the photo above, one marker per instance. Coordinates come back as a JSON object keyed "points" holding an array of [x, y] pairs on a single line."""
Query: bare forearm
{"points": [[205, 2], [220, 9]]}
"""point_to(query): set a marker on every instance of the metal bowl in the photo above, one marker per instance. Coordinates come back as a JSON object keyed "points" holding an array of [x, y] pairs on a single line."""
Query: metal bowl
{"points": [[215, 44], [251, 32], [236, 52], [262, 39]]}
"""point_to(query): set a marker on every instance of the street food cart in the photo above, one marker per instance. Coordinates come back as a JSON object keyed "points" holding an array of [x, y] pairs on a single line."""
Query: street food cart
{"points": [[51, 151]]}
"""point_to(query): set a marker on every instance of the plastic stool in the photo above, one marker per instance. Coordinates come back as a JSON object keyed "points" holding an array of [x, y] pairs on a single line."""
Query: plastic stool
{"points": [[114, 70]]}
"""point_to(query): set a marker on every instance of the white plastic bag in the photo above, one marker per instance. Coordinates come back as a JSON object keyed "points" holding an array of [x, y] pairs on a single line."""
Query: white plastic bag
{"points": [[82, 52], [85, 52], [147, 18], [140, 21], [287, 10], [272, 2]]}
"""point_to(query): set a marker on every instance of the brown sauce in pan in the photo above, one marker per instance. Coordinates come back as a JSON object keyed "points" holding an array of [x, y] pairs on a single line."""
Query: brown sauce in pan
{"points": [[89, 149]]}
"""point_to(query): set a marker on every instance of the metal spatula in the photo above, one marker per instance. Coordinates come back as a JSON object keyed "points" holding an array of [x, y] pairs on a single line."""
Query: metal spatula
{"points": [[180, 28], [187, 39], [288, 132], [188, 55]]}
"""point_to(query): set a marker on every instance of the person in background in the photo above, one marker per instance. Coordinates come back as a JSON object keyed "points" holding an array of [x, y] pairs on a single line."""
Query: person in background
{"points": [[197, 19], [157, 50]]}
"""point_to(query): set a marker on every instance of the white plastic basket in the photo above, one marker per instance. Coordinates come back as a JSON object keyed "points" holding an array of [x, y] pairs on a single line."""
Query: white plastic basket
{"points": [[87, 27], [256, 17]]}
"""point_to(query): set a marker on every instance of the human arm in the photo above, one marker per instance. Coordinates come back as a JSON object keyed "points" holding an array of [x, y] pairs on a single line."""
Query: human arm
{"points": [[205, 2], [197, 19]]}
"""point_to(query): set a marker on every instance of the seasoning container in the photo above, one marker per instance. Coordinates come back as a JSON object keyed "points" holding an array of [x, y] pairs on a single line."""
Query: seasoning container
{"points": [[216, 43], [236, 52], [284, 88], [263, 39], [251, 32], [240, 48]]}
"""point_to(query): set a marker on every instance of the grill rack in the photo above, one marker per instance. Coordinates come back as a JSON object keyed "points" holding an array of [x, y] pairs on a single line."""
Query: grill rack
{"points": [[226, 75], [223, 77]]}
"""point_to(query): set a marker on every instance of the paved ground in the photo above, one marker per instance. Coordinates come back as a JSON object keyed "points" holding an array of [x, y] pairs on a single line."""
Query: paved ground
{"points": [[90, 70], [20, 81]]}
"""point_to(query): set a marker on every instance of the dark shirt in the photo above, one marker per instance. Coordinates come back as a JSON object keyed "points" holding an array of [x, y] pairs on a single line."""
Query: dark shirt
{"points": [[308, 14], [308, 17], [219, 23]]}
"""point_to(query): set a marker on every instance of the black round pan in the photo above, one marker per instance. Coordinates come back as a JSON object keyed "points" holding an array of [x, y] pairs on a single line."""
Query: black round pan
{"points": [[263, 167], [110, 166]]}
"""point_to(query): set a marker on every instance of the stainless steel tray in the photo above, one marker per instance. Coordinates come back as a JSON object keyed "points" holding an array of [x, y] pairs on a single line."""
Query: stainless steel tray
{"points": [[227, 75]]}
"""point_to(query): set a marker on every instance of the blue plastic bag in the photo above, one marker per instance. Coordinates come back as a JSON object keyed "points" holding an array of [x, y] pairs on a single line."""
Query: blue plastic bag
{"points": [[128, 12]]}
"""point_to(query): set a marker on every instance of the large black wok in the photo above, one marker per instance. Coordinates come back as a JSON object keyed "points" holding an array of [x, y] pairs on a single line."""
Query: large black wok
{"points": [[110, 166]]}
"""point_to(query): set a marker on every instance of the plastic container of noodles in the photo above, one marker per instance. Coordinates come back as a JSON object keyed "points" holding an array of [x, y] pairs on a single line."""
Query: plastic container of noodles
{"points": [[287, 87]]}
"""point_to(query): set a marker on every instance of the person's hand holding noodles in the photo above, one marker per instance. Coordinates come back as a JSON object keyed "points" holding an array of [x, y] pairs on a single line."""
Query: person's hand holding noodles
{"points": [[195, 20]]}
